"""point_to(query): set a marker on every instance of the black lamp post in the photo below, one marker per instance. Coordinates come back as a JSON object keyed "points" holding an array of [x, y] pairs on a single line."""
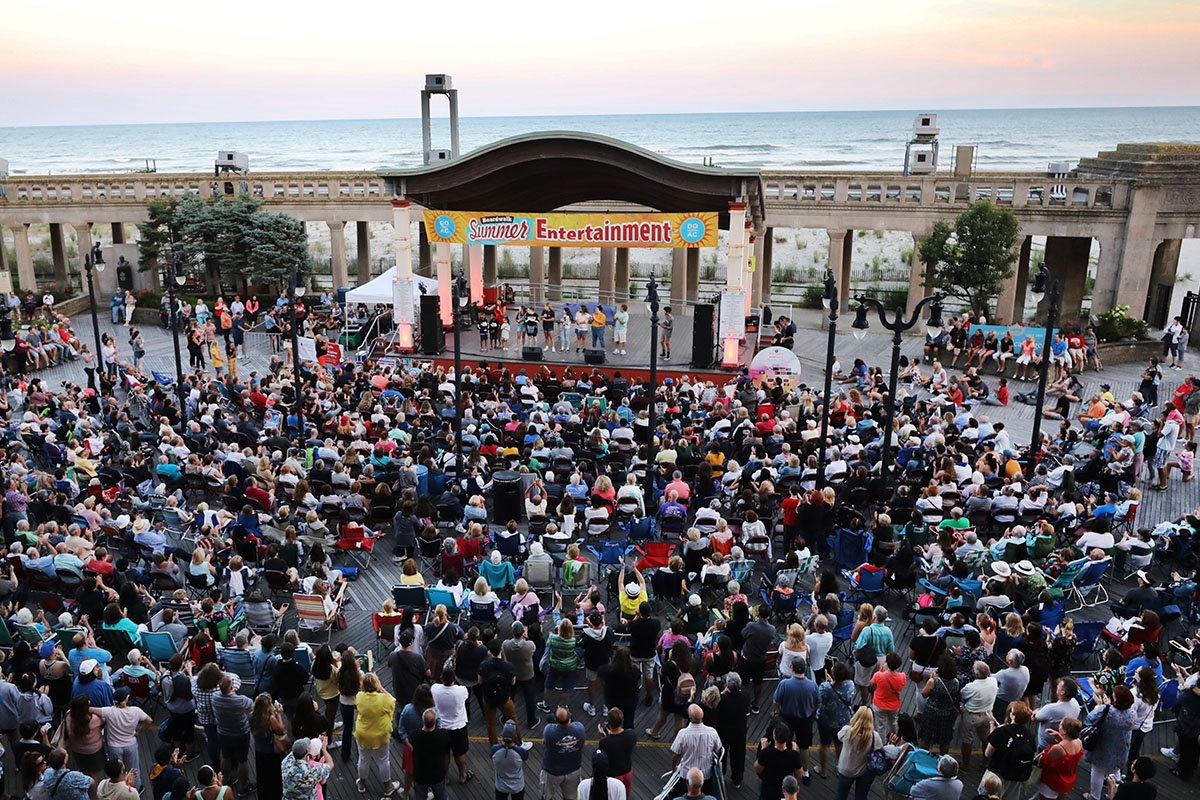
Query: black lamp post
{"points": [[652, 299], [95, 260], [175, 276], [458, 288], [830, 301], [295, 292], [898, 324], [1043, 285]]}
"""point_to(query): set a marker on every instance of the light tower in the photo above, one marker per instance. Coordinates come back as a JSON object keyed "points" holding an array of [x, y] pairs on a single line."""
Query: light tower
{"points": [[921, 152], [438, 84]]}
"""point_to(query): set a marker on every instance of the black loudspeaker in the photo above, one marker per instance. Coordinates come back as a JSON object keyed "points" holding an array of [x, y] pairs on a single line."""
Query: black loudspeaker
{"points": [[432, 338], [531, 353], [593, 356], [702, 337]]}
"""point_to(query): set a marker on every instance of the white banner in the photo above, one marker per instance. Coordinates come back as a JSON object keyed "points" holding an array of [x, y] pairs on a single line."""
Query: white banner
{"points": [[402, 302], [308, 348], [733, 315]]}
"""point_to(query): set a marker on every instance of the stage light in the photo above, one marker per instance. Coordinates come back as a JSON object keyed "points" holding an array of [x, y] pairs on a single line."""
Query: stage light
{"points": [[404, 336], [732, 349]]}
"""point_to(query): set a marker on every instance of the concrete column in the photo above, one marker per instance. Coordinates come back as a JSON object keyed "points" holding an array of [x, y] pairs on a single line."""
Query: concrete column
{"points": [[1067, 261], [847, 261], [489, 265], [3, 252], [621, 276], [424, 259], [693, 274], [444, 278], [756, 292], [1137, 249], [1162, 282], [1108, 270], [25, 274], [837, 257], [678, 278], [765, 266], [473, 254], [337, 253], [58, 251], [554, 277], [83, 236], [608, 274], [402, 238], [1010, 308], [363, 231], [916, 275], [537, 275], [118, 233]]}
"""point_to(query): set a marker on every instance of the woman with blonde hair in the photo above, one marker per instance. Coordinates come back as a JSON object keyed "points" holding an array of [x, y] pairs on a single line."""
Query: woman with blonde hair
{"points": [[373, 730], [859, 740], [201, 566], [481, 594], [1010, 635], [793, 648]]}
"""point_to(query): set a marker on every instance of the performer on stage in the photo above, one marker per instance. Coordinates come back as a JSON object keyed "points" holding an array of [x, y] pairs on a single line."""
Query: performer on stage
{"points": [[667, 325], [548, 328], [583, 321], [599, 320], [621, 330]]}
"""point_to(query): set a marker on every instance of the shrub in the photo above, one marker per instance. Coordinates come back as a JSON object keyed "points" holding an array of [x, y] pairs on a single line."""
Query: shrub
{"points": [[812, 297], [784, 275], [1115, 325], [891, 298]]}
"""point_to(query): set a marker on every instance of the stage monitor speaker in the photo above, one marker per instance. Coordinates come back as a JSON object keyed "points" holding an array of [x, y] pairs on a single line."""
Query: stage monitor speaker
{"points": [[432, 338], [531, 353], [592, 356], [702, 337]]}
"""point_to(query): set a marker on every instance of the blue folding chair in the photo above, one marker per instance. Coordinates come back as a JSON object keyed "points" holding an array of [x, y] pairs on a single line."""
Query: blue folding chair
{"points": [[1052, 616], [442, 597], [608, 558], [641, 529], [1086, 635], [160, 646], [1090, 582], [782, 604], [1168, 698], [870, 583], [850, 548], [409, 597]]}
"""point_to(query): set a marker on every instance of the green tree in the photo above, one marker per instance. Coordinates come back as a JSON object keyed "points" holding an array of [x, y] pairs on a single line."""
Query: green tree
{"points": [[230, 240], [970, 258]]}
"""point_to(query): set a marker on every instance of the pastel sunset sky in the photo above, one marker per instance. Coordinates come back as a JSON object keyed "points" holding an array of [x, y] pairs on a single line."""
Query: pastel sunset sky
{"points": [[72, 62]]}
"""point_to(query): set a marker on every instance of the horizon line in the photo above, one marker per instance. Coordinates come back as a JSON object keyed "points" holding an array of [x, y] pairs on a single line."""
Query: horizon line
{"points": [[939, 110]]}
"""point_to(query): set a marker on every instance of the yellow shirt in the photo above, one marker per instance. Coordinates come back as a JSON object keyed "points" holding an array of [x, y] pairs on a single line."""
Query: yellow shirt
{"points": [[411, 580], [629, 605], [373, 727], [598, 319]]}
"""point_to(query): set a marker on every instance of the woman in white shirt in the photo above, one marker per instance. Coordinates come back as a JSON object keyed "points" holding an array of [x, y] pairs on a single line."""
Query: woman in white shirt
{"points": [[482, 594], [613, 789], [794, 647], [631, 490]]}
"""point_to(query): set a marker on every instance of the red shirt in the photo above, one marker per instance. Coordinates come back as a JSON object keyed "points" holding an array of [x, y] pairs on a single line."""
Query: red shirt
{"points": [[1002, 395], [887, 689], [105, 568], [789, 511]]}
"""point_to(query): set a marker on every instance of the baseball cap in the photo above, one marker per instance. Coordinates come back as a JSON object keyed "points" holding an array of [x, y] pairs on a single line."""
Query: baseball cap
{"points": [[88, 665], [509, 733], [121, 694], [47, 649]]}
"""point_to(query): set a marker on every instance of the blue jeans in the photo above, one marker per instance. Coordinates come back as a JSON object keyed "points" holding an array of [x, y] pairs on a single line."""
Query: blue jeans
{"points": [[422, 790], [1183, 597], [348, 713], [598, 337], [861, 784]]}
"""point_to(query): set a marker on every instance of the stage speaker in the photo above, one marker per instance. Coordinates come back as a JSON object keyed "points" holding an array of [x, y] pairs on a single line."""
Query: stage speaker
{"points": [[531, 353], [432, 338], [593, 356], [702, 337]]}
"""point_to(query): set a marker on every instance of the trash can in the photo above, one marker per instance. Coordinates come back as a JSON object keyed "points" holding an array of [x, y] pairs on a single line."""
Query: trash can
{"points": [[506, 496], [437, 483], [422, 479]]}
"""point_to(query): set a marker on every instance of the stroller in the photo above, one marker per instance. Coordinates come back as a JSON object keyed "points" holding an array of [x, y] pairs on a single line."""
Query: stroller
{"points": [[675, 786], [912, 766]]}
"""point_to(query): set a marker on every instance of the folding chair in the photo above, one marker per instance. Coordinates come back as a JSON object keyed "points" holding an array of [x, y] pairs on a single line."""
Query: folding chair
{"points": [[30, 633], [1168, 698], [655, 555], [140, 688], [1087, 633], [356, 543], [870, 583], [240, 663], [160, 646], [442, 597], [608, 557], [385, 628], [313, 618], [539, 574], [1090, 582], [409, 598], [850, 548]]}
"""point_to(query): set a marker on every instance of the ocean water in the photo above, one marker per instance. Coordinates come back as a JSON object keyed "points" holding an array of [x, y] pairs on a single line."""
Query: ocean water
{"points": [[812, 141]]}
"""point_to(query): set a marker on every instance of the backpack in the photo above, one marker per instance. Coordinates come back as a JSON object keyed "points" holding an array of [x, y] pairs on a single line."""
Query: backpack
{"points": [[1019, 755], [685, 688], [496, 686], [866, 655]]}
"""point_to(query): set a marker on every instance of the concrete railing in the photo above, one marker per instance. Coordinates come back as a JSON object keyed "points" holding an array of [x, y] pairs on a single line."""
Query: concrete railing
{"points": [[1017, 190], [289, 187]]}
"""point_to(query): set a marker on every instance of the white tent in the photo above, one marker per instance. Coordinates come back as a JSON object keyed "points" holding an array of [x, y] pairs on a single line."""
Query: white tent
{"points": [[379, 290]]}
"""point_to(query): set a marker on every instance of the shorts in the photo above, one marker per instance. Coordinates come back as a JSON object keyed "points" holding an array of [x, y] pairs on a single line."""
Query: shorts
{"points": [[1161, 458], [973, 725], [460, 742], [753, 671], [562, 680], [802, 731], [547, 327], [564, 786], [1024, 359], [236, 748], [646, 667]]}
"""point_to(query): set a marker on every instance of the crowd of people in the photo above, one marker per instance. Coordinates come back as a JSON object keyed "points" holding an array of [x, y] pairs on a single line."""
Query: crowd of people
{"points": [[184, 576]]}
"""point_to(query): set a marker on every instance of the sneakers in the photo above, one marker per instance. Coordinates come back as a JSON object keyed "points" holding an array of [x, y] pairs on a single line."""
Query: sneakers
{"points": [[589, 709], [1170, 753], [754, 709], [390, 788], [541, 706], [527, 746], [358, 784]]}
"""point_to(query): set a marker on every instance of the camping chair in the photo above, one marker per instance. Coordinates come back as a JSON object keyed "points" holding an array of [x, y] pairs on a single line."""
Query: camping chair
{"points": [[499, 576], [539, 574], [977, 559], [1052, 616], [656, 555], [409, 598], [1039, 547], [909, 769], [868, 584], [6, 640], [186, 531], [1090, 582], [608, 557], [850, 548], [1066, 579], [576, 574], [310, 609], [241, 663], [1087, 633], [277, 582], [1124, 525], [782, 604], [117, 642], [845, 627], [385, 627], [160, 646], [442, 597], [1168, 698], [641, 529], [141, 691], [30, 633], [356, 543]]}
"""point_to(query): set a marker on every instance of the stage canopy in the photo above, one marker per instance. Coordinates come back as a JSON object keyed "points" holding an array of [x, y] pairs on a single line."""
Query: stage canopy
{"points": [[379, 290]]}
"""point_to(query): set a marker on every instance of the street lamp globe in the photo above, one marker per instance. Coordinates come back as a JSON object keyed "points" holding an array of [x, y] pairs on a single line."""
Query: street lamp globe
{"points": [[861, 324]]}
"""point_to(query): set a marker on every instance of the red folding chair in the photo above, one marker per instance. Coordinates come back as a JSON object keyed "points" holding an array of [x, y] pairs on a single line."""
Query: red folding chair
{"points": [[356, 543], [656, 555]]}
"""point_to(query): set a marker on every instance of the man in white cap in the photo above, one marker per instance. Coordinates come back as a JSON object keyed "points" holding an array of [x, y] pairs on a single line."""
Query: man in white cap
{"points": [[635, 592], [302, 772]]}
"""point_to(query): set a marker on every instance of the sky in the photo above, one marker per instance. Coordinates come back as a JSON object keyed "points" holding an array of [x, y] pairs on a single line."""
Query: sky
{"points": [[132, 61]]}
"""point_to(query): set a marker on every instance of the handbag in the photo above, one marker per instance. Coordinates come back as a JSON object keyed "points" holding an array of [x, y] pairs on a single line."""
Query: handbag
{"points": [[1092, 735]]}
